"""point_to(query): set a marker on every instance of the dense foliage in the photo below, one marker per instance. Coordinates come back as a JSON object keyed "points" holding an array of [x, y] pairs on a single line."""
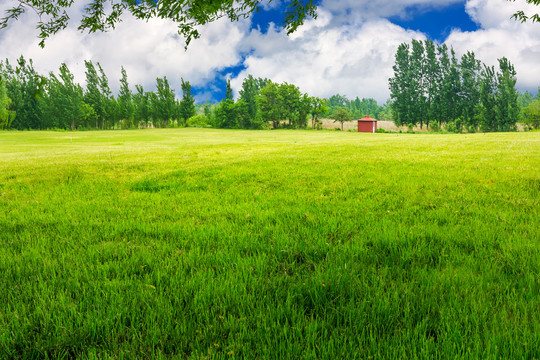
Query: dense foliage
{"points": [[56, 101], [358, 108], [456, 94], [263, 103], [431, 86]]}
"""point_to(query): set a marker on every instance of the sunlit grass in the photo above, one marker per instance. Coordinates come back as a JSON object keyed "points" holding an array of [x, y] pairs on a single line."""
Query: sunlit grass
{"points": [[269, 244]]}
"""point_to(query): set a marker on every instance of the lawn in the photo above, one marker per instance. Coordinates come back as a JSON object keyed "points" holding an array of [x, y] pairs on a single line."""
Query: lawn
{"points": [[203, 244]]}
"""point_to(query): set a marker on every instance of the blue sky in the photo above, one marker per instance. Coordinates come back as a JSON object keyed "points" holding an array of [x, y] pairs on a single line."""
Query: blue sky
{"points": [[348, 50], [436, 23]]}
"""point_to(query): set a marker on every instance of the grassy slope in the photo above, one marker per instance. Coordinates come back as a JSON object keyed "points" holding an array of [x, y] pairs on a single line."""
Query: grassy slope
{"points": [[192, 243]]}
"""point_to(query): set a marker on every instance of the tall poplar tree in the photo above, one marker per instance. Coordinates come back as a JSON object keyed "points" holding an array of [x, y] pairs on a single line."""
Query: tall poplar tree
{"points": [[164, 103], [187, 105], [432, 82], [418, 107], [488, 86], [25, 88], [141, 107], [470, 89], [6, 115], [93, 95], [108, 102], [507, 107], [226, 112], [125, 102], [65, 103], [400, 91]]}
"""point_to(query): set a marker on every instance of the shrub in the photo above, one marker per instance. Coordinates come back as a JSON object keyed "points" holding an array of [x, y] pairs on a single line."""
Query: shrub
{"points": [[199, 121], [451, 127]]}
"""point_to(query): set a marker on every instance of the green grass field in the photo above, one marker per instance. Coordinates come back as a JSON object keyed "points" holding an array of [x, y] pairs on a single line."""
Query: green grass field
{"points": [[203, 244]]}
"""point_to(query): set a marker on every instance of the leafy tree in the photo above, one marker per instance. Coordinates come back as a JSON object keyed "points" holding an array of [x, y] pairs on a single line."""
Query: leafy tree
{"points": [[187, 105], [154, 108], [270, 101], [525, 99], [125, 102], [141, 105], [226, 112], [342, 115], [507, 108], [488, 85], [532, 115], [400, 91], [241, 113], [418, 85], [108, 102], [25, 87], [318, 107], [250, 90], [93, 95], [290, 101], [164, 103], [103, 15], [208, 114], [6, 116], [304, 109], [386, 112], [432, 83], [470, 90], [65, 102], [450, 90]]}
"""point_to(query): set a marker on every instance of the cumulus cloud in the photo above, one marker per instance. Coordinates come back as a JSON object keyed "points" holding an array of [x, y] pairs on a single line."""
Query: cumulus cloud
{"points": [[322, 60], [349, 49], [500, 35], [354, 11], [146, 49]]}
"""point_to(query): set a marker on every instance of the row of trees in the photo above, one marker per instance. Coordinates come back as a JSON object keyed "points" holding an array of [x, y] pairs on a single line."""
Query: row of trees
{"points": [[263, 103], [29, 100], [431, 87], [358, 108], [530, 106]]}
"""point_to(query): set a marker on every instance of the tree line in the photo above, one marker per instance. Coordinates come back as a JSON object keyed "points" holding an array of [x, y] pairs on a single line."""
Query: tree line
{"points": [[432, 87], [29, 100], [265, 104]]}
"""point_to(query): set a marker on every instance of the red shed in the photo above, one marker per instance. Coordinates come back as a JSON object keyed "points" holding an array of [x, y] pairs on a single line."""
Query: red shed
{"points": [[367, 124]]}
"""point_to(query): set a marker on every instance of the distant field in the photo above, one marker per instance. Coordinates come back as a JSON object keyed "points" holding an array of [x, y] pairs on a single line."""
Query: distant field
{"points": [[204, 244]]}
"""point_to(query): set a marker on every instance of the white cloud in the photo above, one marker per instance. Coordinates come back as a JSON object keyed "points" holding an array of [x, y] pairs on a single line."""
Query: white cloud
{"points": [[349, 49], [355, 11], [322, 61], [502, 36], [146, 50]]}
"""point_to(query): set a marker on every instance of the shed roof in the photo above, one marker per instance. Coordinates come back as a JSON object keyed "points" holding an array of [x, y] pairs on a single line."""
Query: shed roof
{"points": [[367, 118]]}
